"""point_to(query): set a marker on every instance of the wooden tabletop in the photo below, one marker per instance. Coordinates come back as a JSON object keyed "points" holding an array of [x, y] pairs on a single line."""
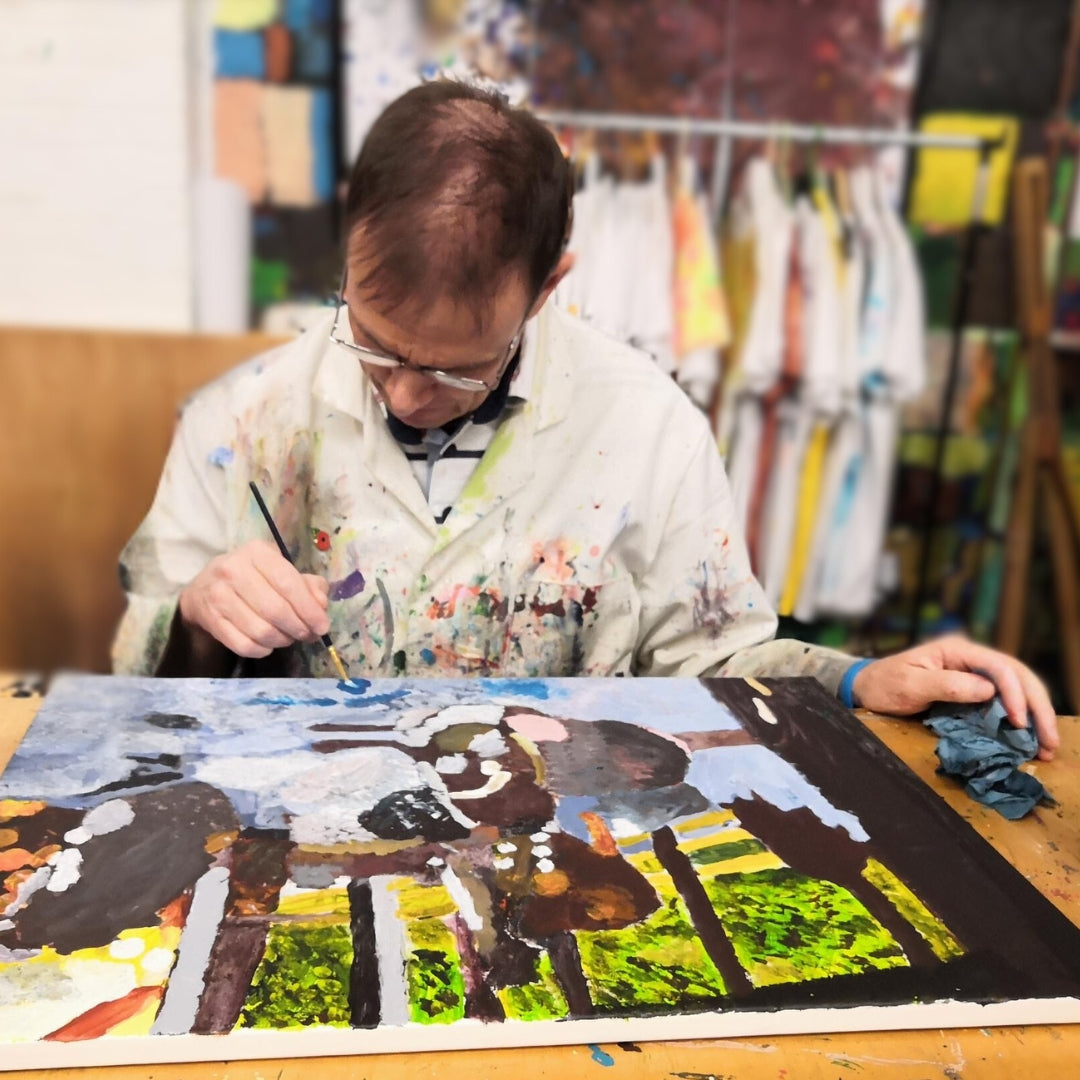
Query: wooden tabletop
{"points": [[1045, 847]]}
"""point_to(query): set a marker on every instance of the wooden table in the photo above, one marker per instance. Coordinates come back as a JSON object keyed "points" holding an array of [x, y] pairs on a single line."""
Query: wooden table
{"points": [[1045, 847]]}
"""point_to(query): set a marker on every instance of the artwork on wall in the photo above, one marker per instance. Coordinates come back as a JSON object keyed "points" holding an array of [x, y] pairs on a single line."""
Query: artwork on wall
{"points": [[834, 62], [237, 869], [275, 135]]}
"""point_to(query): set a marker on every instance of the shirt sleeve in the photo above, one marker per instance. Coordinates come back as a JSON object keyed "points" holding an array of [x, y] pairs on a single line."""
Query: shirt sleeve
{"points": [[703, 612], [183, 531], [788, 658], [700, 602]]}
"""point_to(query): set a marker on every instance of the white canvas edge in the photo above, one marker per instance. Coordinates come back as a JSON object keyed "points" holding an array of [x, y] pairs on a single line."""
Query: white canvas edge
{"points": [[248, 1044]]}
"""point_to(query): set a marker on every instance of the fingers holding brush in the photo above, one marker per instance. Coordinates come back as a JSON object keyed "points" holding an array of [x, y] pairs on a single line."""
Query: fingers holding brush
{"points": [[295, 603], [253, 601]]}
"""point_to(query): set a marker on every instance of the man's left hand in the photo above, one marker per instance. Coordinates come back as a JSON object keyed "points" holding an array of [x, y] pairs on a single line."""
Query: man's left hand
{"points": [[954, 669]]}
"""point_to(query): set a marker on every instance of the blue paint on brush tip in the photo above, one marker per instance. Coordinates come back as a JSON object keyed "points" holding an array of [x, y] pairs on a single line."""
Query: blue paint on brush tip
{"points": [[601, 1057], [354, 686]]}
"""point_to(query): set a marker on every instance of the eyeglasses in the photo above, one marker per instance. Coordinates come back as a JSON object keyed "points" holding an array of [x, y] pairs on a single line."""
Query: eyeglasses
{"points": [[444, 378]]}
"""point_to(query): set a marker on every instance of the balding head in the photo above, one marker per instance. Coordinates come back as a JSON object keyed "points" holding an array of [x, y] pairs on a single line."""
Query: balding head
{"points": [[453, 193]]}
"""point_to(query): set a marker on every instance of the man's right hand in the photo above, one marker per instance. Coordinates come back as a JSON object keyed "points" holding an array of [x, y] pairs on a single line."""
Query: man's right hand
{"points": [[252, 601]]}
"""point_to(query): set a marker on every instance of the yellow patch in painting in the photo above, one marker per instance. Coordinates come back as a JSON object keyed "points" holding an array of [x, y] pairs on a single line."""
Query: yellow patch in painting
{"points": [[645, 862], [937, 935], [8, 837], [356, 847], [715, 839], [665, 888], [761, 688], [422, 901], [315, 902], [702, 821], [744, 864], [13, 808]]}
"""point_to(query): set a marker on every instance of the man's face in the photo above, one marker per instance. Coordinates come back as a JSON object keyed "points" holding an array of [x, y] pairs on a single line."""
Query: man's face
{"points": [[442, 335]]}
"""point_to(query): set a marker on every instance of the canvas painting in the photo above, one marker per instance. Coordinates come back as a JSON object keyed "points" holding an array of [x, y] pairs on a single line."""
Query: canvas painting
{"points": [[210, 869]]}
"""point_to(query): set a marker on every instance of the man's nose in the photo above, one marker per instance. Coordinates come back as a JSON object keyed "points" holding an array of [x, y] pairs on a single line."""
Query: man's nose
{"points": [[408, 391]]}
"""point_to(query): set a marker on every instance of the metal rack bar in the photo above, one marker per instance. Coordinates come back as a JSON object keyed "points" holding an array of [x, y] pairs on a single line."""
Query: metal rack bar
{"points": [[742, 129]]}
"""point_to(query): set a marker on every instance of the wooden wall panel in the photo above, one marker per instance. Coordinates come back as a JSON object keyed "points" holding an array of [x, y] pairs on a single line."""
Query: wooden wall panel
{"points": [[85, 421]]}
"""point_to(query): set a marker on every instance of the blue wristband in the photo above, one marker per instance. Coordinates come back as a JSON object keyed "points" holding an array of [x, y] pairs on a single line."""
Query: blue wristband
{"points": [[846, 693]]}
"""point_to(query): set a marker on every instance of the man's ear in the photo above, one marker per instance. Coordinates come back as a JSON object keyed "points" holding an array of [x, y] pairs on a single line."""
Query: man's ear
{"points": [[562, 268]]}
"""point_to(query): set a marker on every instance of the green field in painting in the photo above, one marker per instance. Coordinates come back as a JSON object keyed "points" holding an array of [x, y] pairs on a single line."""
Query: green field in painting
{"points": [[541, 999], [303, 978], [433, 973], [786, 927], [659, 961]]}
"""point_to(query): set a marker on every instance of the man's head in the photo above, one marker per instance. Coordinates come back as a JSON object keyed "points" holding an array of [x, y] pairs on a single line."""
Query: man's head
{"points": [[456, 221]]}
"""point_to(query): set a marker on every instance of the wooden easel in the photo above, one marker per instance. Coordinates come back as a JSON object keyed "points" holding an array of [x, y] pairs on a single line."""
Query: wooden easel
{"points": [[1042, 482]]}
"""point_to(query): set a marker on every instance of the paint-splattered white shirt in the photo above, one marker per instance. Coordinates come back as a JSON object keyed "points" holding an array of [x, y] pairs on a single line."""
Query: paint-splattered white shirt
{"points": [[595, 537]]}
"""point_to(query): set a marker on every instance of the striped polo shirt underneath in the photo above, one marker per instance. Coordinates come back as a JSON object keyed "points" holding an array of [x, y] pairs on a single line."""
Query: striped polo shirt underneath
{"points": [[444, 458]]}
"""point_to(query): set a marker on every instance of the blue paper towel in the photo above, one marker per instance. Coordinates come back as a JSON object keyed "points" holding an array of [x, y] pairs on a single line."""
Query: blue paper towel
{"points": [[978, 745]]}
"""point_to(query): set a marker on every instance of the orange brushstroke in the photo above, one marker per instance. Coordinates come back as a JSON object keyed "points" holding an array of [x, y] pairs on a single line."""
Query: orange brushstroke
{"points": [[602, 840], [15, 859], [13, 881], [174, 913], [219, 841], [554, 883], [97, 1021]]}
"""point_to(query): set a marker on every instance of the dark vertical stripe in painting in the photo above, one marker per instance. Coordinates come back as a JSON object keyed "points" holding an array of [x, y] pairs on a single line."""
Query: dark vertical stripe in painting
{"points": [[364, 999], [480, 1000], [708, 926], [566, 963], [233, 961]]}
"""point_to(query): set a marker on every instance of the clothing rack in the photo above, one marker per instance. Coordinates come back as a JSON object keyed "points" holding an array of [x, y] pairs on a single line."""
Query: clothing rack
{"points": [[742, 129], [846, 136]]}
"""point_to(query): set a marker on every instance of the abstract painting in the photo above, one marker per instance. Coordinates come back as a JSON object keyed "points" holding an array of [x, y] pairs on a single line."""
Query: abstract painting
{"points": [[216, 869]]}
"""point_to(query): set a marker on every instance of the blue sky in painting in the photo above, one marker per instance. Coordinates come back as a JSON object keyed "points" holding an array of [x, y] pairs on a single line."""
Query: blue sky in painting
{"points": [[254, 738]]}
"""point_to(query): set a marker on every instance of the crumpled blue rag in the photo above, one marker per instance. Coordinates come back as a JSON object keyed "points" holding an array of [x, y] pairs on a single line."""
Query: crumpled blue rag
{"points": [[978, 745]]}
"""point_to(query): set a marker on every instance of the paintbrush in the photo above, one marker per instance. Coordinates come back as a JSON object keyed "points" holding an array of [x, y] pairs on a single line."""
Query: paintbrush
{"points": [[285, 552]]}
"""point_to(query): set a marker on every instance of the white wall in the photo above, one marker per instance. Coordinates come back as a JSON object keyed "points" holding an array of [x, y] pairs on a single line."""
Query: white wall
{"points": [[95, 164]]}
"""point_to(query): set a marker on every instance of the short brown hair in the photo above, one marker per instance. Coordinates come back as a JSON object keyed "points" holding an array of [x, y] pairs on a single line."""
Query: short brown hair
{"points": [[453, 189]]}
